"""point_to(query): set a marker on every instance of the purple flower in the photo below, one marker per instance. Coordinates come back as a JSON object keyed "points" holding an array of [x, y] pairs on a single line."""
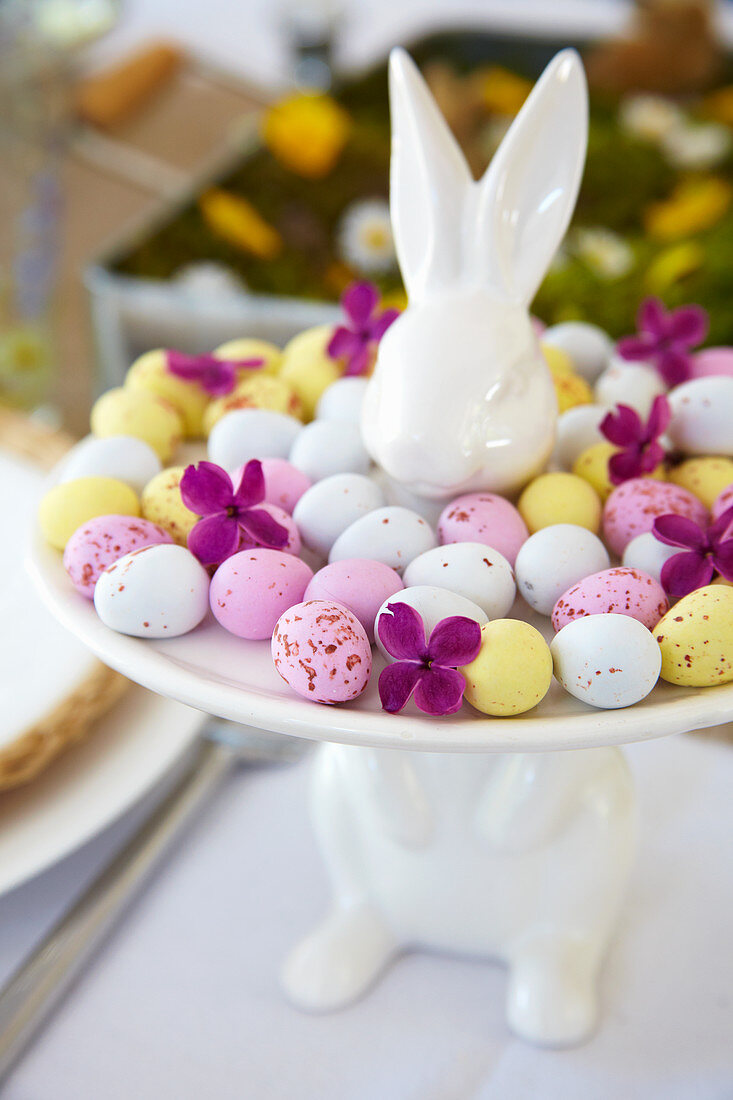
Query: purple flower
{"points": [[640, 452], [364, 328], [706, 551], [665, 338], [228, 516], [427, 668], [217, 376]]}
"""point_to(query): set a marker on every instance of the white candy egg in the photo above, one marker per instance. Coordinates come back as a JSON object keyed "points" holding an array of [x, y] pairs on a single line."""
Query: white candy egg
{"points": [[330, 506], [553, 559], [470, 569], [577, 430], [607, 661], [702, 416], [342, 400], [393, 535], [251, 433], [433, 604], [634, 384], [589, 347], [327, 447], [123, 457], [157, 592], [649, 554]]}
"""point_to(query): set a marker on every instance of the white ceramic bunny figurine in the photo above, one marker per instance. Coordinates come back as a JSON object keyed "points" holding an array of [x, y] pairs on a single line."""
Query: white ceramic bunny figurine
{"points": [[461, 398]]}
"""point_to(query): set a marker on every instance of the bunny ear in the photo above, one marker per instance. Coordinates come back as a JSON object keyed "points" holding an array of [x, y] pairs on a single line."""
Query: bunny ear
{"points": [[526, 198], [429, 181]]}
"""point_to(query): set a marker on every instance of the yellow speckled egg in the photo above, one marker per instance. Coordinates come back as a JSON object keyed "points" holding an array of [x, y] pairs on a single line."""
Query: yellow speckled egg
{"points": [[560, 498], [126, 411], [248, 347], [258, 391], [696, 638], [67, 506], [161, 503], [705, 477], [150, 373], [308, 368], [513, 669], [592, 466], [571, 390]]}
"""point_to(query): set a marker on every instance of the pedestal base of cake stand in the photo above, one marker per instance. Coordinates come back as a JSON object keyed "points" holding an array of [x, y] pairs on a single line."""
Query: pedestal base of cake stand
{"points": [[521, 858]]}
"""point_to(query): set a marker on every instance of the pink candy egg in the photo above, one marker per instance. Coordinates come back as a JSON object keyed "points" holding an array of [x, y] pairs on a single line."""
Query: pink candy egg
{"points": [[322, 652], [293, 545], [620, 591], [723, 501], [712, 361], [284, 484], [634, 505], [360, 584], [486, 518], [250, 590], [102, 541]]}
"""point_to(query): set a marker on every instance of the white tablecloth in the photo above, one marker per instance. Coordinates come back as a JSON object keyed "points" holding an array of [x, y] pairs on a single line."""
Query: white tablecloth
{"points": [[184, 1001]]}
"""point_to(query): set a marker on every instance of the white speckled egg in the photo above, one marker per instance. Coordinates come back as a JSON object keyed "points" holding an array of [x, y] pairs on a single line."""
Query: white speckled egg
{"points": [[327, 447], [553, 559], [634, 384], [343, 400], [432, 604], [251, 433], [589, 347], [647, 553], [607, 661], [330, 506], [470, 569], [393, 535], [157, 592], [123, 457], [702, 416], [577, 430]]}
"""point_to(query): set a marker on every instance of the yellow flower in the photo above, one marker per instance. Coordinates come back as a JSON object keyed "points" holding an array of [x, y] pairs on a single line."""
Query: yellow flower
{"points": [[237, 221], [694, 205], [306, 133], [672, 264], [503, 92]]}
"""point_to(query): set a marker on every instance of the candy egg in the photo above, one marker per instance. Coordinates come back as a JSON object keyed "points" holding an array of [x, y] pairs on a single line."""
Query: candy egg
{"points": [[322, 652], [554, 559], [249, 347], [251, 589], [328, 447], [722, 502], [284, 484], [592, 466], [256, 391], [150, 374], [432, 605], [327, 509], [634, 505], [486, 518], [619, 591], [122, 457], [633, 384], [577, 429], [343, 400], [705, 477], [251, 433], [588, 346], [557, 360], [472, 570], [127, 411], [67, 506], [392, 535], [696, 638], [359, 584], [560, 498], [294, 543], [512, 671], [307, 366], [712, 361], [647, 553], [702, 423], [607, 661], [571, 391], [102, 541], [161, 503], [157, 592]]}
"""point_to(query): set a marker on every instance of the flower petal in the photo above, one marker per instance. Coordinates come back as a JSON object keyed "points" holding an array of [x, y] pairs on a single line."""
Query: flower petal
{"points": [[719, 528], [184, 366], [264, 528], [251, 489], [679, 531], [651, 457], [622, 427], [440, 691], [723, 559], [402, 633], [454, 641], [660, 415], [214, 539], [359, 302], [625, 465], [206, 489], [380, 324], [397, 683], [689, 325], [343, 344], [674, 365], [652, 318], [219, 377], [359, 362], [683, 573], [637, 348]]}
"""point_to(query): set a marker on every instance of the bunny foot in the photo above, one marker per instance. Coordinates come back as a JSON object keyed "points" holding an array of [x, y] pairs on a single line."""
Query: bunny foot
{"points": [[339, 960], [552, 998]]}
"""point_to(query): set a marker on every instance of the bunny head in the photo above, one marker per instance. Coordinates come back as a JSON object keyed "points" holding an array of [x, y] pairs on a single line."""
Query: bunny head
{"points": [[461, 398]]}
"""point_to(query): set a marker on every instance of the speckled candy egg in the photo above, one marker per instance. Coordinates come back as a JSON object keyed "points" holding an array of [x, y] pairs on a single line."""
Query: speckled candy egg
{"points": [[251, 433], [251, 590], [588, 346], [696, 638], [554, 559], [571, 391], [512, 671], [577, 429], [634, 505], [432, 605], [327, 509], [161, 503], [328, 447], [67, 506], [705, 477], [322, 652], [360, 584], [647, 553], [392, 535], [257, 391], [150, 374], [607, 661], [157, 592], [251, 347], [471, 569], [307, 366], [560, 498], [633, 384], [619, 591], [284, 484], [343, 400], [102, 541], [702, 420], [125, 411], [486, 518], [122, 457], [722, 502]]}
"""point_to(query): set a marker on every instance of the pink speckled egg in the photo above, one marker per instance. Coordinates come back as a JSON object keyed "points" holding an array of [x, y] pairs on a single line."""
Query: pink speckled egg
{"points": [[634, 505], [284, 483], [292, 546], [486, 518], [102, 541], [712, 361], [723, 501], [322, 652], [619, 591], [360, 584], [250, 590]]}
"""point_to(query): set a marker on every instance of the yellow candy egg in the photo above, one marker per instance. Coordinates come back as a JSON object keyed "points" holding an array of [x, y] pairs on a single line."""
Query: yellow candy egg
{"points": [[249, 347], [161, 503], [126, 411], [150, 373], [571, 390], [67, 506], [705, 477], [258, 391], [592, 466], [560, 498], [696, 638], [308, 368], [557, 360], [513, 669]]}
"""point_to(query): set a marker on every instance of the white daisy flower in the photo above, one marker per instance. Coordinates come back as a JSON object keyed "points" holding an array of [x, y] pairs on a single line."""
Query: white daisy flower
{"points": [[365, 237], [649, 116], [604, 252], [209, 280], [700, 146]]}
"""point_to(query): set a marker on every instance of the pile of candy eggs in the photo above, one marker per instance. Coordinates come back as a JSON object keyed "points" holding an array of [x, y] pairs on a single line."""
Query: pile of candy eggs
{"points": [[575, 554]]}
